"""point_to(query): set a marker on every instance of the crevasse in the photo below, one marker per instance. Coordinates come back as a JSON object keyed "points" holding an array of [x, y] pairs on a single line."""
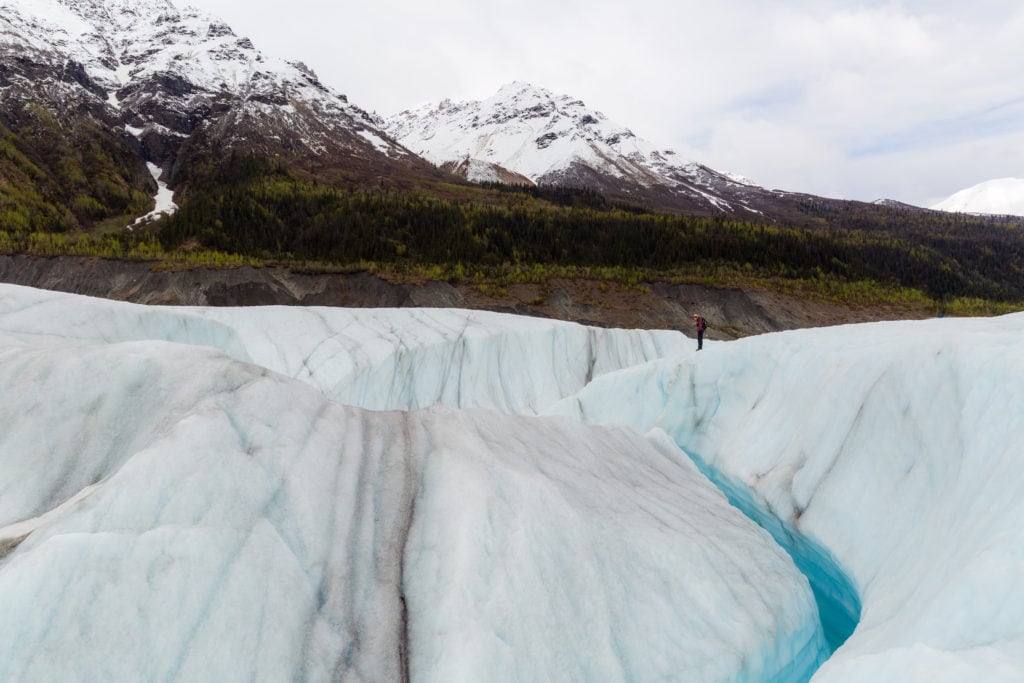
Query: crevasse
{"points": [[838, 602], [893, 446], [200, 516]]}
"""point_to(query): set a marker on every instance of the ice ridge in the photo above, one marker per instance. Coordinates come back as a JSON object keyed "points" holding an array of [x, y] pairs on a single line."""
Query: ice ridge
{"points": [[894, 446], [201, 517]]}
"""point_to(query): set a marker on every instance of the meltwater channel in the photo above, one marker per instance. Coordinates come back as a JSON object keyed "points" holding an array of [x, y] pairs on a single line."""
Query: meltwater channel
{"points": [[838, 602]]}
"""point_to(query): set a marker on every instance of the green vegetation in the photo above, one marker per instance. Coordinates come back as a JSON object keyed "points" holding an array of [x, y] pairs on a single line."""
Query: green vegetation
{"points": [[239, 210], [124, 246], [259, 208], [57, 176]]}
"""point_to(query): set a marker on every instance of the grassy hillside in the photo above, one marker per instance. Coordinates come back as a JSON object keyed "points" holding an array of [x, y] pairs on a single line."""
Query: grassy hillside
{"points": [[58, 175], [247, 209]]}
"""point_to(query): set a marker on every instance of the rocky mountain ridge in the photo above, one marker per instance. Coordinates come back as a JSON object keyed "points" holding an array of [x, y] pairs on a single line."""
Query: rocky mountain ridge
{"points": [[557, 139], [165, 85], [732, 313], [111, 105], [113, 110]]}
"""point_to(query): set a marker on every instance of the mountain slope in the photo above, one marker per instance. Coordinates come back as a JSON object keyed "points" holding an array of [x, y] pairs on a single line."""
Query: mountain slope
{"points": [[1004, 197], [168, 86], [113, 110], [557, 139]]}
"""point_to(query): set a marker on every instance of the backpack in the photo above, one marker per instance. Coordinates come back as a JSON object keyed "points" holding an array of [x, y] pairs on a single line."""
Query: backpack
{"points": [[702, 324]]}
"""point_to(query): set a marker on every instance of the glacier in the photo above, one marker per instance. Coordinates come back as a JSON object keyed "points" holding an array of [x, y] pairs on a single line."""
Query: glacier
{"points": [[896, 447], [169, 510], [452, 495], [380, 359]]}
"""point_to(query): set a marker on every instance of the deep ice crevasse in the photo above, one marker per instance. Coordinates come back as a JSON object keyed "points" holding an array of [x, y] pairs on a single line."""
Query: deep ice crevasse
{"points": [[896, 447]]}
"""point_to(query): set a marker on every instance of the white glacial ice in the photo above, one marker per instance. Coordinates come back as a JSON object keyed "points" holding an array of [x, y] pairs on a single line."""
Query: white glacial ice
{"points": [[221, 500], [374, 358], [895, 446], [175, 504]]}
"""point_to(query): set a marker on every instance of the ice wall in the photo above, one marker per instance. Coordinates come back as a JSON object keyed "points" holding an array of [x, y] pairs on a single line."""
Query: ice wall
{"points": [[839, 605], [895, 446], [374, 358], [169, 512]]}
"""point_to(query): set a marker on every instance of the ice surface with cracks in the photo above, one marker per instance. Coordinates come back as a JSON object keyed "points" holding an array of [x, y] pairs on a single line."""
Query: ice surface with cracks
{"points": [[170, 511], [895, 446], [374, 358]]}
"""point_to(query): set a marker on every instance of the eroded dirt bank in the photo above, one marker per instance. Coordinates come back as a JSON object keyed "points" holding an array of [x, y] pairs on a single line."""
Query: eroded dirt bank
{"points": [[732, 313]]}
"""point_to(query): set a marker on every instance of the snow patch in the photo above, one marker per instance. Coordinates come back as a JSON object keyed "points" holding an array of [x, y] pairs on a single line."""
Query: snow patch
{"points": [[380, 144], [163, 200]]}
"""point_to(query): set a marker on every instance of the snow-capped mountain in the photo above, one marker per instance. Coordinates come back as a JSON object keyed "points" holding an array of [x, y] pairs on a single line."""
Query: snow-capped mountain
{"points": [[172, 81], [557, 139], [111, 106], [894, 204], [1003, 197]]}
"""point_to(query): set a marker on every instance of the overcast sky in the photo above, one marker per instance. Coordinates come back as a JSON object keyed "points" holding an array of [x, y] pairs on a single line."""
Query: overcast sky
{"points": [[906, 100]]}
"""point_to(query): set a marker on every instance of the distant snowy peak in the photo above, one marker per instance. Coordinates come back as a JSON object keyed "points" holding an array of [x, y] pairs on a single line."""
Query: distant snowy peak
{"points": [[1004, 197], [550, 138], [526, 129], [894, 204]]}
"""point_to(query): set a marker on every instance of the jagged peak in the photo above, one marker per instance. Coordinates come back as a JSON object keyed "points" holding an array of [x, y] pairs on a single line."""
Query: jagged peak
{"points": [[526, 128], [121, 43], [155, 67], [521, 96], [518, 89], [116, 14], [557, 138]]}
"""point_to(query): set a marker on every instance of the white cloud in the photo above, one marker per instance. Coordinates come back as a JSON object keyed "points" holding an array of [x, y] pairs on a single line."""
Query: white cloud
{"points": [[806, 95], [766, 149]]}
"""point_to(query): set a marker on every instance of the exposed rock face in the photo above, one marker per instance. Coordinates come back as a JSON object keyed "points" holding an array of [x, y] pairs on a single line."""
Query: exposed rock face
{"points": [[174, 83], [557, 139], [478, 171], [732, 313]]}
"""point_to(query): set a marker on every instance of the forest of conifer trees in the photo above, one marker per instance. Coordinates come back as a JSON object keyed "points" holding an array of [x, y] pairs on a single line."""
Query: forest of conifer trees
{"points": [[257, 208]]}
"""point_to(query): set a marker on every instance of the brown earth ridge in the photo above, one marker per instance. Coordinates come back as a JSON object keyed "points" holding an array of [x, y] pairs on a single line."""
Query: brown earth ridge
{"points": [[731, 313]]}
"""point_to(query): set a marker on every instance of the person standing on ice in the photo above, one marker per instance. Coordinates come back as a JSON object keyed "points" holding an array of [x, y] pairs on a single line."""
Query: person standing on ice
{"points": [[701, 326]]}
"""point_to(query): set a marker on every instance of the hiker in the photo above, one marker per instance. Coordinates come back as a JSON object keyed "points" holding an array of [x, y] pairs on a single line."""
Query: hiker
{"points": [[701, 326]]}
